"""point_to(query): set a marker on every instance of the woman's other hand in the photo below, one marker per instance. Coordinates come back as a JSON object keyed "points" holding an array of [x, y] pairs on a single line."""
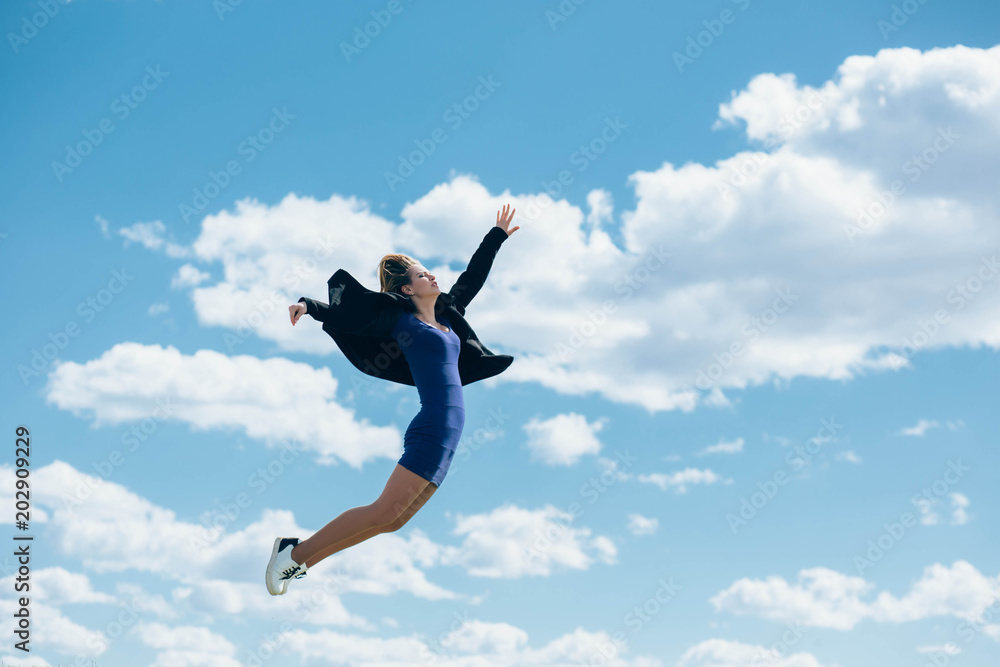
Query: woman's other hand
{"points": [[296, 310], [503, 221]]}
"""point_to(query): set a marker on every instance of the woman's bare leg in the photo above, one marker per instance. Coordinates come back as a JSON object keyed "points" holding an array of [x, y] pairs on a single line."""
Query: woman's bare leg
{"points": [[363, 522], [377, 530]]}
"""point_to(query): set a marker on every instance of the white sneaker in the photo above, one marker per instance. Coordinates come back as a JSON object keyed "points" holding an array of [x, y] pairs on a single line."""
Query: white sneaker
{"points": [[281, 568]]}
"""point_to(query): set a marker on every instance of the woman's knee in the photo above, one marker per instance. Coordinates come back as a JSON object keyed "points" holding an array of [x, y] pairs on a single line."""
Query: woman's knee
{"points": [[395, 525], [385, 514]]}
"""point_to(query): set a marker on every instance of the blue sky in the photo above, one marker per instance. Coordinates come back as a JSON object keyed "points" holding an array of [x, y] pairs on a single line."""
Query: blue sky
{"points": [[720, 462]]}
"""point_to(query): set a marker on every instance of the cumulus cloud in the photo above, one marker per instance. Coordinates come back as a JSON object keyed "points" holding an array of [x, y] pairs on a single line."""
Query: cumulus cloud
{"points": [[920, 428], [723, 447], [58, 586], [826, 598], [54, 631], [725, 653], [511, 541], [208, 390], [563, 439], [959, 515], [930, 517], [188, 646], [705, 300], [679, 480], [849, 456], [947, 649], [188, 276], [152, 236], [475, 642], [112, 529], [641, 525], [601, 207]]}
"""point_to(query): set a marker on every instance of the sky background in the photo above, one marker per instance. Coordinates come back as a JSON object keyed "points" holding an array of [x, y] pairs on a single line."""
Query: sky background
{"points": [[742, 417]]}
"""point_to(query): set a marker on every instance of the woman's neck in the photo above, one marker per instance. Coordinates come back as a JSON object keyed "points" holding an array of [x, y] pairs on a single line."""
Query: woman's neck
{"points": [[424, 308]]}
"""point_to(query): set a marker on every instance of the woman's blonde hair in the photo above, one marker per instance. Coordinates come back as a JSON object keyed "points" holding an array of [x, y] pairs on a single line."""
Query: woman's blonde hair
{"points": [[393, 273]]}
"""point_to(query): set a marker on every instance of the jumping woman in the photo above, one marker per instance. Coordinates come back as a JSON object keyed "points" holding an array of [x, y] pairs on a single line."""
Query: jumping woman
{"points": [[411, 333]]}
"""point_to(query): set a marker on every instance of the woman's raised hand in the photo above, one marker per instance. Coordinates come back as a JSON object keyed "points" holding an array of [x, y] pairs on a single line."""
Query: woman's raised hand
{"points": [[503, 221], [296, 310]]}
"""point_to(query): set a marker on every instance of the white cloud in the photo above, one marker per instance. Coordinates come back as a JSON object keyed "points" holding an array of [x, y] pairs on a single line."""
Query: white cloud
{"points": [[476, 642], [563, 439], [679, 480], [720, 283], [616, 467], [511, 541], [947, 649], [103, 225], [188, 646], [725, 653], [58, 586], [723, 447], [157, 308], [959, 501], [848, 456], [188, 276], [151, 235], [18, 661], [55, 632], [601, 207], [112, 529], [142, 600], [959, 514], [919, 429], [826, 598], [641, 525], [928, 516], [209, 390]]}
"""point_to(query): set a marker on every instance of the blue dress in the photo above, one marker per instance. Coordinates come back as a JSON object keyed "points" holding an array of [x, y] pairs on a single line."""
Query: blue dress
{"points": [[432, 437]]}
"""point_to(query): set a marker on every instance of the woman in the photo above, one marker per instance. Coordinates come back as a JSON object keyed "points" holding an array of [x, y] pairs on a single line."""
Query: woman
{"points": [[430, 346]]}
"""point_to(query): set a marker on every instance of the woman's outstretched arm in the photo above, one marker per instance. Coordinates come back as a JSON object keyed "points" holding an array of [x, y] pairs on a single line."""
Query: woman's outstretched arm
{"points": [[306, 306], [474, 277]]}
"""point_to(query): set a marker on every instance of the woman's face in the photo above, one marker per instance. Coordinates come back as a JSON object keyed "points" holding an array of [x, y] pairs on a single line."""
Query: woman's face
{"points": [[422, 282]]}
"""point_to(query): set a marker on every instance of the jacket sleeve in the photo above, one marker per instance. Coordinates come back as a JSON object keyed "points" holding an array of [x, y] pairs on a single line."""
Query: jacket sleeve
{"points": [[316, 309], [472, 279], [358, 311]]}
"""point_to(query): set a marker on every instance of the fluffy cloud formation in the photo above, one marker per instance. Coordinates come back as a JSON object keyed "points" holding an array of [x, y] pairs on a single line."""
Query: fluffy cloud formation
{"points": [[679, 480], [563, 439], [188, 646], [53, 630], [717, 287], [641, 525], [828, 599], [58, 586], [475, 642], [152, 235], [724, 653], [145, 385], [218, 573], [959, 512], [723, 447], [849, 456], [511, 541], [113, 529], [920, 428]]}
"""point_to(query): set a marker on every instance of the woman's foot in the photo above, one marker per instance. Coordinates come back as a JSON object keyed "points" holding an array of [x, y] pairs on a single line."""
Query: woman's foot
{"points": [[282, 568]]}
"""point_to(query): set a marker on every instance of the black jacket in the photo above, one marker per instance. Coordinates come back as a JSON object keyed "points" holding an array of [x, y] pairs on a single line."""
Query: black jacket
{"points": [[361, 321]]}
